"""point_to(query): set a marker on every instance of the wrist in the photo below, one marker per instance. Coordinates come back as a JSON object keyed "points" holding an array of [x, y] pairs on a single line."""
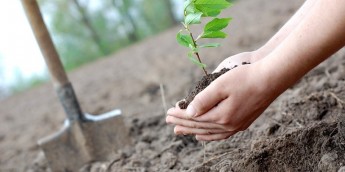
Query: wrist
{"points": [[257, 55], [275, 78]]}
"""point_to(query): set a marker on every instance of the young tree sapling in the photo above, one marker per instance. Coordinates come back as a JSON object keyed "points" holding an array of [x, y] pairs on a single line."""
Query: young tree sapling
{"points": [[194, 11]]}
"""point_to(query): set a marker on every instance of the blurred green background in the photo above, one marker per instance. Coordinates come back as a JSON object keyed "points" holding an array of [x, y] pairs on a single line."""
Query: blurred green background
{"points": [[82, 31], [86, 30]]}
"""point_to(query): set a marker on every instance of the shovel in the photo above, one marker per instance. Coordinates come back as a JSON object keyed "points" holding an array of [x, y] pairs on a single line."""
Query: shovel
{"points": [[83, 138]]}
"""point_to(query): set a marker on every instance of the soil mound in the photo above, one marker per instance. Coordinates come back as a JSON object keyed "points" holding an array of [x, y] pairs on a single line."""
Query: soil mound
{"points": [[296, 133]]}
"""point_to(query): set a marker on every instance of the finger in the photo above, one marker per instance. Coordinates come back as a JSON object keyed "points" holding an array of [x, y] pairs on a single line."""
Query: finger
{"points": [[216, 114], [206, 99], [196, 131], [214, 137], [227, 63], [229, 123], [222, 114], [177, 112], [191, 124]]}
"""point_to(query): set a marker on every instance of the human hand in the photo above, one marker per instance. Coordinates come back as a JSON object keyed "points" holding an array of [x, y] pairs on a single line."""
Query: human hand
{"points": [[238, 60], [228, 105]]}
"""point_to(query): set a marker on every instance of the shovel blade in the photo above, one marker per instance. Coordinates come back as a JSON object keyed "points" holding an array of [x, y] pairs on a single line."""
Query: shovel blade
{"points": [[65, 151], [79, 143], [105, 134]]}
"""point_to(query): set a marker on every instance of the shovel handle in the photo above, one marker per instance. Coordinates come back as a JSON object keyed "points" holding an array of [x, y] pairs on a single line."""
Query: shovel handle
{"points": [[45, 43], [60, 80]]}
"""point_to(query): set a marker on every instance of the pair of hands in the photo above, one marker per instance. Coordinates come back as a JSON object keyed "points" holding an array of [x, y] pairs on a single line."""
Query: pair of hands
{"points": [[228, 105], [234, 100]]}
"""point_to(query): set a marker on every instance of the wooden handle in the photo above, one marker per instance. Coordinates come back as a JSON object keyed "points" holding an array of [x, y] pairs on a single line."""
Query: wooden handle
{"points": [[45, 43]]}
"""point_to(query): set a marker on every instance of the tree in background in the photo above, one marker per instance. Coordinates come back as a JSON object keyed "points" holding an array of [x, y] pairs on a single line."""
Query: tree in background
{"points": [[84, 30], [127, 20], [157, 15], [171, 13], [86, 21], [72, 39]]}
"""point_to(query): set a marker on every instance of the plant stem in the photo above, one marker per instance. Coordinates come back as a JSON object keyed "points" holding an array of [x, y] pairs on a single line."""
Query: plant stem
{"points": [[196, 53], [194, 42]]}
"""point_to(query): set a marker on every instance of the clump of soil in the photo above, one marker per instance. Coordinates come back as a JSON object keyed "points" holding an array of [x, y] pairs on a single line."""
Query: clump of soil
{"points": [[202, 84], [322, 144]]}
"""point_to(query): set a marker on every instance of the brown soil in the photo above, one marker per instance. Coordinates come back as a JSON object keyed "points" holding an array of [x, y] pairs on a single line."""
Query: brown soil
{"points": [[294, 134], [205, 81], [298, 132], [201, 85]]}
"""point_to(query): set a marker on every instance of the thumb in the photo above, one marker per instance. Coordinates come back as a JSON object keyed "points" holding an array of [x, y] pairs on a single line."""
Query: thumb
{"points": [[206, 100]]}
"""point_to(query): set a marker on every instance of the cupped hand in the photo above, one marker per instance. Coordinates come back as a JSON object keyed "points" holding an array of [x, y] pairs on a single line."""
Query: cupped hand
{"points": [[228, 105], [238, 60]]}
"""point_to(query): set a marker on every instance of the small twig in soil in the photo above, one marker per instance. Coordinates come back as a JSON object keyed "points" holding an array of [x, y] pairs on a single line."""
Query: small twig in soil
{"points": [[192, 150], [327, 73], [223, 163], [111, 164], [167, 148], [163, 97], [216, 157], [299, 124], [204, 145], [274, 121], [329, 93], [340, 101]]}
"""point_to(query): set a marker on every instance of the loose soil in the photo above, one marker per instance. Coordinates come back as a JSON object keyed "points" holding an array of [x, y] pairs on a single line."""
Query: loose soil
{"points": [[201, 85], [205, 81], [298, 132]]}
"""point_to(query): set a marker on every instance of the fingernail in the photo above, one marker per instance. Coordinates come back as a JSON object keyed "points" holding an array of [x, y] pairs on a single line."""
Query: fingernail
{"points": [[191, 112], [169, 111], [167, 120]]}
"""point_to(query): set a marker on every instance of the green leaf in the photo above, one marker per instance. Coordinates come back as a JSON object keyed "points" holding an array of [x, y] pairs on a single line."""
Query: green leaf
{"points": [[211, 13], [211, 7], [184, 40], [186, 4], [212, 4], [209, 45], [214, 34], [193, 18], [189, 7], [194, 60], [217, 24]]}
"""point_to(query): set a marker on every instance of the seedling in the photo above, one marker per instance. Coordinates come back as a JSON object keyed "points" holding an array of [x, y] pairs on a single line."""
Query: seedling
{"points": [[194, 11]]}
